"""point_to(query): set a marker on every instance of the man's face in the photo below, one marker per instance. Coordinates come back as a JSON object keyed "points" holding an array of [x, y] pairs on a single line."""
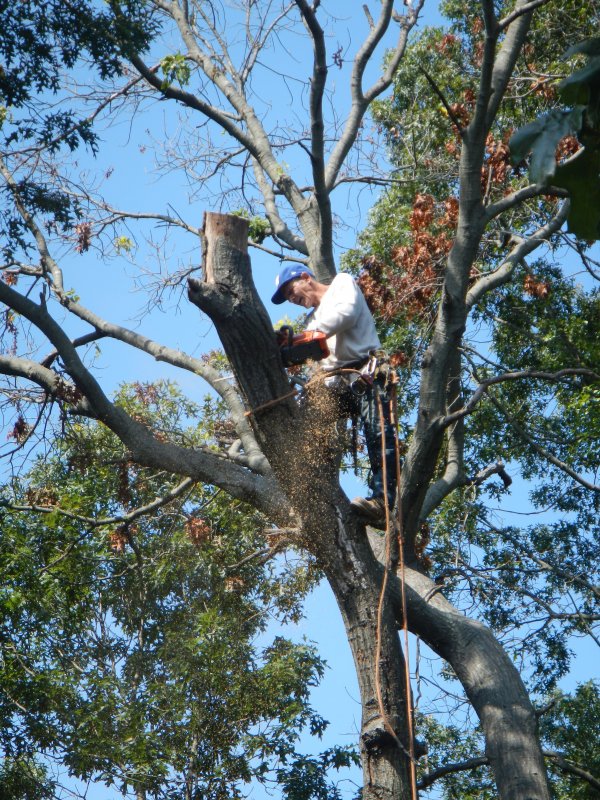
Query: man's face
{"points": [[301, 292]]}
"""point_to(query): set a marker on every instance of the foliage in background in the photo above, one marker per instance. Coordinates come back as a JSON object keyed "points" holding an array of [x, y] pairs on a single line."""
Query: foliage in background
{"points": [[117, 634], [579, 175], [38, 42], [135, 650]]}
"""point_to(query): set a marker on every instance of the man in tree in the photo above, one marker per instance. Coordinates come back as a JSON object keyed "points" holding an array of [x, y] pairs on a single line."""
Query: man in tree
{"points": [[355, 371]]}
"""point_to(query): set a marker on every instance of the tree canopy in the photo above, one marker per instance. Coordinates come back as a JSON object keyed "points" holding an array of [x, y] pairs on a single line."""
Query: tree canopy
{"points": [[145, 535]]}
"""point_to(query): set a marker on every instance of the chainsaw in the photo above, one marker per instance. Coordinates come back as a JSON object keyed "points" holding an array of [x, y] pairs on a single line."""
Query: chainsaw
{"points": [[297, 348]]}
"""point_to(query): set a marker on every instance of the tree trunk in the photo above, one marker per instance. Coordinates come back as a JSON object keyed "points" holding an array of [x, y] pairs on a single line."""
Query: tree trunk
{"points": [[301, 446]]}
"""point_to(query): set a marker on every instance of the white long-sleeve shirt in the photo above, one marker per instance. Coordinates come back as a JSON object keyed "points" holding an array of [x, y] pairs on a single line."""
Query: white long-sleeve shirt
{"points": [[344, 317]]}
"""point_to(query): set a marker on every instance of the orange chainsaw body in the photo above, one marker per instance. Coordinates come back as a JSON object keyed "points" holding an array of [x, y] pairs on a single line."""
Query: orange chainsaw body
{"points": [[297, 348]]}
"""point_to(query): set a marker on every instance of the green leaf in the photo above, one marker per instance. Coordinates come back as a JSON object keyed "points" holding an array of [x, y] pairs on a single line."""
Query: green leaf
{"points": [[541, 138], [581, 177], [582, 86], [175, 68]]}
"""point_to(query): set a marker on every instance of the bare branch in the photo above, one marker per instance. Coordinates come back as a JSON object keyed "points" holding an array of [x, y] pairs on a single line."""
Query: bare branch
{"points": [[317, 152], [518, 375], [541, 563], [448, 769], [48, 263], [572, 769], [479, 761], [543, 451], [518, 12], [523, 248], [361, 99], [46, 378], [123, 91], [255, 141], [587, 262], [444, 102], [117, 519], [278, 254], [81, 341], [525, 193]]}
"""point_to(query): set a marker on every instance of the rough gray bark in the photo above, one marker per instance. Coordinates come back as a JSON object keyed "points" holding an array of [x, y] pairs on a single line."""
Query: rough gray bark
{"points": [[325, 527], [491, 683]]}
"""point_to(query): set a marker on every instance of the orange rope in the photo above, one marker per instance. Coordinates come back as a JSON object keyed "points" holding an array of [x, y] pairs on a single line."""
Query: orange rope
{"points": [[409, 708], [271, 403], [388, 533]]}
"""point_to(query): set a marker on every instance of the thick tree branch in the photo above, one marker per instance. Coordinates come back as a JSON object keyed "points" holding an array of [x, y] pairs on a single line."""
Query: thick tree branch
{"points": [[454, 475], [450, 769], [505, 60], [514, 199], [178, 359], [278, 226], [159, 352], [148, 451], [569, 767], [317, 149], [45, 378], [518, 12], [489, 678], [477, 128], [480, 761]]}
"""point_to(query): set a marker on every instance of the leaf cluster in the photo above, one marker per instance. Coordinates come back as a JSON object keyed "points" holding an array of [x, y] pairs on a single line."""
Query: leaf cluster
{"points": [[571, 726], [135, 651], [580, 175], [39, 41]]}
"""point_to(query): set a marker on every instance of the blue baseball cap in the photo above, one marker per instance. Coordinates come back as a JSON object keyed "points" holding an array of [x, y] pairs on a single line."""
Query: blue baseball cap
{"points": [[287, 274]]}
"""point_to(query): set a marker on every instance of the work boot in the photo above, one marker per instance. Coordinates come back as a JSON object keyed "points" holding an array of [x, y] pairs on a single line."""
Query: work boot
{"points": [[371, 509]]}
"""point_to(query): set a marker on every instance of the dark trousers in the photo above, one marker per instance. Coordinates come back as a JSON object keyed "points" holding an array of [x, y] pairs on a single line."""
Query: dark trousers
{"points": [[368, 407], [365, 404]]}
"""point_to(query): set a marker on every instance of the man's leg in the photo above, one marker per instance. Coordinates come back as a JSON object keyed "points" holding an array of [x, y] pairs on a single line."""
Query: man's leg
{"points": [[374, 404]]}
